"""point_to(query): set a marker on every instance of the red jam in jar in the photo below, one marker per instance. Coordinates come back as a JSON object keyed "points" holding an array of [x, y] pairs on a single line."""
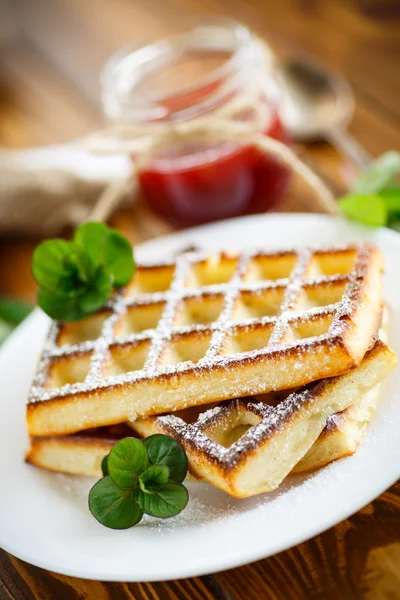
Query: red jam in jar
{"points": [[192, 76]]}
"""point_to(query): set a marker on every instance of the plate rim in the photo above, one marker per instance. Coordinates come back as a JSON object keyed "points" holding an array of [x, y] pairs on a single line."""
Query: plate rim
{"points": [[226, 561]]}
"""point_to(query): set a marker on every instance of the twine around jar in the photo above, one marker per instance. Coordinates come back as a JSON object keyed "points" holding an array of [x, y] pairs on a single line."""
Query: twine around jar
{"points": [[144, 141]]}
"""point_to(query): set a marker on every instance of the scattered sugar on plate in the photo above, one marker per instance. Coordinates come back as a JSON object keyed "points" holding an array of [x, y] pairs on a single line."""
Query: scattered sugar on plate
{"points": [[197, 513]]}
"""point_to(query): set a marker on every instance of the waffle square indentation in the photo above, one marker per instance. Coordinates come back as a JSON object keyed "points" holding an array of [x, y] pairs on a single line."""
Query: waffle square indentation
{"points": [[232, 424], [310, 328], [215, 270], [139, 318], [255, 305], [245, 339], [182, 348], [150, 280], [68, 370], [126, 358], [202, 310], [271, 268], [315, 296], [84, 330], [332, 263]]}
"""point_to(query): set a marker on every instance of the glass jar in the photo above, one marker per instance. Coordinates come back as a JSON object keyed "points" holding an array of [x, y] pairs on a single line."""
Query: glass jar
{"points": [[192, 75]]}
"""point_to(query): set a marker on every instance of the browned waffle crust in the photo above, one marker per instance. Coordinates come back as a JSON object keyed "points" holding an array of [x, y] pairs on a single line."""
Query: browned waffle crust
{"points": [[345, 430], [275, 432], [342, 434], [244, 446], [205, 329], [79, 453]]}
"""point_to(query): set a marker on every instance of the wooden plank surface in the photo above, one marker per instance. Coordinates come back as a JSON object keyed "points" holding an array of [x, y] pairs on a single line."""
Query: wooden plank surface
{"points": [[358, 558], [49, 93]]}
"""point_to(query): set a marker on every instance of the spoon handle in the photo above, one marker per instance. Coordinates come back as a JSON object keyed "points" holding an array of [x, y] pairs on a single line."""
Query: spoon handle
{"points": [[348, 146]]}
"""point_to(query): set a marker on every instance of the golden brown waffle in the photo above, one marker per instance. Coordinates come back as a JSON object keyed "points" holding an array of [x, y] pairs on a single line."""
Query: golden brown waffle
{"points": [[247, 446], [344, 431], [82, 453], [78, 453], [201, 329], [342, 434]]}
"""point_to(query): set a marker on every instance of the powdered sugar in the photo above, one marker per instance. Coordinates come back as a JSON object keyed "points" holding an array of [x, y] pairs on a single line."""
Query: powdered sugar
{"points": [[198, 512], [273, 416], [219, 331], [201, 510]]}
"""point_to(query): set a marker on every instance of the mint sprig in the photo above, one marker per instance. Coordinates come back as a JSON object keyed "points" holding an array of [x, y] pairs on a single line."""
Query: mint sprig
{"points": [[77, 278], [166, 502], [154, 479], [113, 507], [375, 198], [369, 209], [135, 482], [126, 461], [162, 452]]}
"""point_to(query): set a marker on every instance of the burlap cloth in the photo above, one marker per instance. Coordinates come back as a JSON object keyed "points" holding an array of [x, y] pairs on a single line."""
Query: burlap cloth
{"points": [[43, 190]]}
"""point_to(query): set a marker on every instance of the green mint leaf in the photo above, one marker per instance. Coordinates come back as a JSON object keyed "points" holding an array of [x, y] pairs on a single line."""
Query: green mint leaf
{"points": [[77, 278], [164, 503], [60, 308], [49, 264], [104, 466], [391, 198], [96, 293], [364, 208], [79, 267], [126, 461], [108, 248], [379, 173], [120, 261], [154, 478], [61, 268], [164, 450], [13, 311], [113, 507], [92, 237], [72, 308]]}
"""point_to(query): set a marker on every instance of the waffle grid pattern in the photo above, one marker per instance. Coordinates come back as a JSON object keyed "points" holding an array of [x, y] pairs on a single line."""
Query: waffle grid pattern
{"points": [[231, 430], [276, 287], [226, 434]]}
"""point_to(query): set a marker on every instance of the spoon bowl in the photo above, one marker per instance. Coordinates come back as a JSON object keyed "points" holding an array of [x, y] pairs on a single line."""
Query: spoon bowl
{"points": [[318, 104], [314, 100]]}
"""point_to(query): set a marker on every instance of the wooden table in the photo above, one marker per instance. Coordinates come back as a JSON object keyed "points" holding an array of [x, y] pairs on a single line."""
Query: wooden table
{"points": [[50, 57]]}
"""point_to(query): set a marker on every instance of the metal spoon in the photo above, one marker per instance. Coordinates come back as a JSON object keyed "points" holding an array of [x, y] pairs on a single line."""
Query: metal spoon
{"points": [[318, 104]]}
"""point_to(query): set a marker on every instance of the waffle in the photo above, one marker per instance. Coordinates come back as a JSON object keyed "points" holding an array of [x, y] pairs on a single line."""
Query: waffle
{"points": [[344, 431], [76, 454], [244, 447], [204, 329], [342, 434]]}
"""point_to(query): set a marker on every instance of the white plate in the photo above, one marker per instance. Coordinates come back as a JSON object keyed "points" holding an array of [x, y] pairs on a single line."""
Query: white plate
{"points": [[44, 517]]}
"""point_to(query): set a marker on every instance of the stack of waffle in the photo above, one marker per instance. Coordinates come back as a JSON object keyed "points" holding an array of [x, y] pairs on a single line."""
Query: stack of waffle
{"points": [[259, 364]]}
